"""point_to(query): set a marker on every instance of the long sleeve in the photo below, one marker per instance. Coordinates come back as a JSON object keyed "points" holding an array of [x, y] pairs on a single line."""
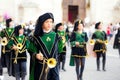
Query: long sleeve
{"points": [[32, 48]]}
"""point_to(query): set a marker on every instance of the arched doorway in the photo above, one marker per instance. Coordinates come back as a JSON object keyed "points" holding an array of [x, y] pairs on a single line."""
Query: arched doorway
{"points": [[73, 9], [72, 13]]}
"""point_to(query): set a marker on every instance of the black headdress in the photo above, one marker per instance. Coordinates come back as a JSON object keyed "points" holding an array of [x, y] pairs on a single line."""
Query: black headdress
{"points": [[97, 24], [76, 24], [17, 28], [8, 22], [57, 26], [40, 21]]}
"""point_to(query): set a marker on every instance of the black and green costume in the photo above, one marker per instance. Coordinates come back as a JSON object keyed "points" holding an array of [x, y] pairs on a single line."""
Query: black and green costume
{"points": [[19, 57], [6, 52], [48, 46], [64, 38], [8, 33], [22, 52], [100, 47], [81, 50], [99, 37], [78, 53], [62, 44], [82, 39]]}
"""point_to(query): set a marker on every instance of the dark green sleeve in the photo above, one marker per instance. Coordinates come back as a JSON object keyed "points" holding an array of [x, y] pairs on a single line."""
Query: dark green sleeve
{"points": [[2, 34], [32, 48], [67, 37], [60, 44], [27, 43], [10, 44]]}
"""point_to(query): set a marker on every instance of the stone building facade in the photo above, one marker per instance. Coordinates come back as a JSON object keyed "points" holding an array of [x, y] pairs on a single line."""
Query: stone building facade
{"points": [[63, 10]]}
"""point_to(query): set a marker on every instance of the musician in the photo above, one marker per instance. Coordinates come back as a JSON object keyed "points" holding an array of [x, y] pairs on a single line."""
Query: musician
{"points": [[59, 29], [78, 43], [99, 36], [19, 44], [6, 34], [44, 45]]}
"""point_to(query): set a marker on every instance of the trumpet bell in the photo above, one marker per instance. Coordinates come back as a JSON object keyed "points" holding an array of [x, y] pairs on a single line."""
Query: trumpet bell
{"points": [[51, 62], [4, 41], [106, 42], [92, 42], [19, 46]]}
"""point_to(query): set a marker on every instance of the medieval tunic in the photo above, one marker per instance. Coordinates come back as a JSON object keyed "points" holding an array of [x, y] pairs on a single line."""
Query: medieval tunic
{"points": [[5, 56], [99, 37], [48, 46], [64, 38], [19, 56], [78, 51]]}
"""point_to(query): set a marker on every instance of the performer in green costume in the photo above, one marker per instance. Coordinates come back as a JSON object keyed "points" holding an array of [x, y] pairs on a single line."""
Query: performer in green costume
{"points": [[59, 29], [6, 35], [19, 44], [44, 50], [78, 42], [100, 38]]}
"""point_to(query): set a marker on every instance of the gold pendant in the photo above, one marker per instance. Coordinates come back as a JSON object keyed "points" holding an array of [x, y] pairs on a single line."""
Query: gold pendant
{"points": [[48, 39]]}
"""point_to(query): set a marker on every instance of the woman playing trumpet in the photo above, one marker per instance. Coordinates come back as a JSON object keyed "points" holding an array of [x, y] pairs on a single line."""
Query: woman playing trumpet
{"points": [[100, 38], [19, 44], [59, 29], [44, 48], [6, 35]]}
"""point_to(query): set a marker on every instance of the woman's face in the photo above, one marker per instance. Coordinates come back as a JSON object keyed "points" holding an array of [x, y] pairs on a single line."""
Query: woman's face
{"points": [[61, 28], [11, 24], [80, 27], [21, 31], [100, 26], [47, 25]]}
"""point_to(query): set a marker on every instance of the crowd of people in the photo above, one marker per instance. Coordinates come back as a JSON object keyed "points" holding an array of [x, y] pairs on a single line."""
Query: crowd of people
{"points": [[47, 47]]}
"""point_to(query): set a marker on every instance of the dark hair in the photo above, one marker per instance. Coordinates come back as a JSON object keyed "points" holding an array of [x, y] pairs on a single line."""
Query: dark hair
{"points": [[8, 22], [76, 24], [97, 24], [17, 28], [38, 27], [57, 26]]}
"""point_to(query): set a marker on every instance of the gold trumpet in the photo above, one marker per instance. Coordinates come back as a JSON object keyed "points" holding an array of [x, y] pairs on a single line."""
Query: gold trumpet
{"points": [[51, 62], [19, 46], [4, 42], [106, 42], [92, 42]]}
